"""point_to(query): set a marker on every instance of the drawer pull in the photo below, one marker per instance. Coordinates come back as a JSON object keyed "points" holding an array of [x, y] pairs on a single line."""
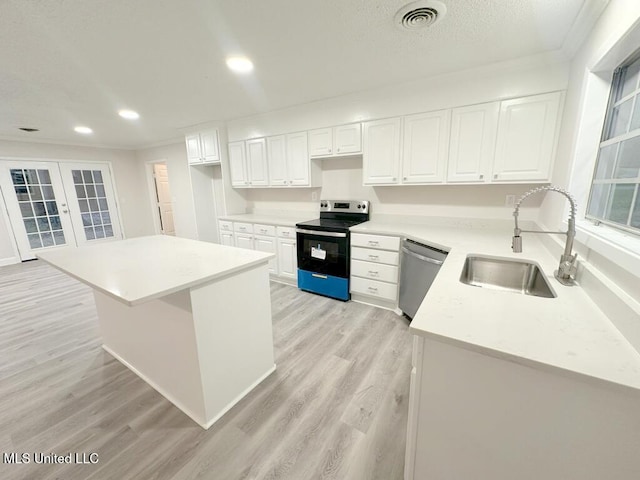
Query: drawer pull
{"points": [[372, 289], [317, 275], [373, 273], [373, 243], [373, 257], [262, 230], [285, 234]]}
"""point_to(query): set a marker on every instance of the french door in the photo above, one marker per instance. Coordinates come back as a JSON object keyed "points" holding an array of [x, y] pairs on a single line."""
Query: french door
{"points": [[54, 205]]}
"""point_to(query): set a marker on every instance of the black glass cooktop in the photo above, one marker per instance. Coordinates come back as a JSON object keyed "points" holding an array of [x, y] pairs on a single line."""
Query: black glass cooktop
{"points": [[329, 225]]}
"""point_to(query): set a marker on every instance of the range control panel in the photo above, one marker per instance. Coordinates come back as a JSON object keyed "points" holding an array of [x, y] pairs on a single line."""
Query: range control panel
{"points": [[344, 206]]}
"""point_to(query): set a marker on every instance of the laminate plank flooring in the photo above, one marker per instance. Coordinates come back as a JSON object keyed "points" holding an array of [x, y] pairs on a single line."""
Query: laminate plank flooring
{"points": [[336, 407]]}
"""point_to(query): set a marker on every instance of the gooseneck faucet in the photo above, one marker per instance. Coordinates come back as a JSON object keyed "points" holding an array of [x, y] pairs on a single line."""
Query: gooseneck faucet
{"points": [[567, 267]]}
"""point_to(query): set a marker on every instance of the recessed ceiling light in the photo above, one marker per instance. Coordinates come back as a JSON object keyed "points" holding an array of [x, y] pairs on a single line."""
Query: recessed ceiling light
{"points": [[129, 114], [83, 130], [240, 64]]}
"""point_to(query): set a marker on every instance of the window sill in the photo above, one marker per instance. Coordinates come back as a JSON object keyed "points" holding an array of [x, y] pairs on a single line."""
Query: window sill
{"points": [[619, 247]]}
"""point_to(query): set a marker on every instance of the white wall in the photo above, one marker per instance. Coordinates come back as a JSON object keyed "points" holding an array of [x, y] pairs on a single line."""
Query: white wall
{"points": [[585, 105], [342, 178], [127, 177]]}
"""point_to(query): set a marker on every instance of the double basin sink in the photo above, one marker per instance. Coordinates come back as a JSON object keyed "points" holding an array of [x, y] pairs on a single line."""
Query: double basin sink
{"points": [[508, 275]]}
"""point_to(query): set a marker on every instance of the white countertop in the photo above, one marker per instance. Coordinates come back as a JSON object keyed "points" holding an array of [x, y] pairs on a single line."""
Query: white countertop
{"points": [[568, 332], [269, 218], [141, 269]]}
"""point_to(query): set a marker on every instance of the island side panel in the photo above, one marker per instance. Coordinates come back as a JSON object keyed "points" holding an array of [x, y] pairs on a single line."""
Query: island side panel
{"points": [[484, 417], [235, 337], [156, 340]]}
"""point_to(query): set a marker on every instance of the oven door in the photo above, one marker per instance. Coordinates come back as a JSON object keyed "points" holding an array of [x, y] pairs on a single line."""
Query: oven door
{"points": [[323, 252]]}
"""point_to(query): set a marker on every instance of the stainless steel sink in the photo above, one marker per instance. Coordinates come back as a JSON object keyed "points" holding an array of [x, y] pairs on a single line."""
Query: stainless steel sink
{"points": [[508, 275]]}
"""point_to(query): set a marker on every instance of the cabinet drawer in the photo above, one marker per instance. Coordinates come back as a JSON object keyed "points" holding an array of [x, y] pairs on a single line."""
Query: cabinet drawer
{"points": [[374, 288], [264, 229], [371, 255], [376, 271], [225, 226], [286, 232], [242, 227], [375, 241]]}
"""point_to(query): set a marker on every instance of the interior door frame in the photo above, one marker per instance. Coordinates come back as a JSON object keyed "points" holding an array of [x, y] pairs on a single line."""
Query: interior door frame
{"points": [[10, 233], [151, 188], [109, 165]]}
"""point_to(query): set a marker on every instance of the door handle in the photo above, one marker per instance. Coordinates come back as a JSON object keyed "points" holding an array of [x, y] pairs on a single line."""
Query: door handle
{"points": [[317, 275]]}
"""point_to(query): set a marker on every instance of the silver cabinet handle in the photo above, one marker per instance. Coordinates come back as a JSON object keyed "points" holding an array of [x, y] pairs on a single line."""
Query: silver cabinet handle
{"points": [[374, 273], [337, 149], [329, 150], [372, 289], [495, 176], [373, 243], [394, 179], [317, 275], [374, 257], [481, 177]]}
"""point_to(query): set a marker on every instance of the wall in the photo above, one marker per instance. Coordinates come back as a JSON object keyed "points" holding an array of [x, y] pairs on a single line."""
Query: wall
{"points": [[342, 178], [615, 36], [127, 176]]}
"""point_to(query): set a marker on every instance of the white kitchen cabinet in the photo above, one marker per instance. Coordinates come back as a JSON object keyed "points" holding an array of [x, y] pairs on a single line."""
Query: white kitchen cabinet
{"points": [[381, 152], [277, 160], [298, 163], [227, 238], [267, 244], [426, 146], [336, 141], [257, 162], [473, 143], [526, 138], [238, 164], [288, 160], [203, 147], [244, 240], [287, 258]]}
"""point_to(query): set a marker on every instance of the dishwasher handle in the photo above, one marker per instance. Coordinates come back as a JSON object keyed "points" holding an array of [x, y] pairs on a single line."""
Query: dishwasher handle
{"points": [[421, 257]]}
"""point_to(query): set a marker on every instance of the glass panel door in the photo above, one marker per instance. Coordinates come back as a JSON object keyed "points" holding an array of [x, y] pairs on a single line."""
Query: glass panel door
{"points": [[92, 199], [37, 206]]}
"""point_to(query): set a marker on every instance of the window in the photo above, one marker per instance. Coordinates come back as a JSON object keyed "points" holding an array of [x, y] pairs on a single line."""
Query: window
{"points": [[614, 197]]}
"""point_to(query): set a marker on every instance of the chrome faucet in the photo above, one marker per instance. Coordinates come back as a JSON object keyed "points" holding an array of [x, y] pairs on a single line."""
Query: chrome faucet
{"points": [[567, 268]]}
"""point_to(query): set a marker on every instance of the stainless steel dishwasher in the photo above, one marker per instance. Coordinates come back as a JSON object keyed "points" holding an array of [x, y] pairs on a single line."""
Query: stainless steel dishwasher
{"points": [[419, 266]]}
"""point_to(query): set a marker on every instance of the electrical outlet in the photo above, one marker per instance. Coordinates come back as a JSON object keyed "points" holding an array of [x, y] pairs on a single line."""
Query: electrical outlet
{"points": [[510, 201], [314, 196]]}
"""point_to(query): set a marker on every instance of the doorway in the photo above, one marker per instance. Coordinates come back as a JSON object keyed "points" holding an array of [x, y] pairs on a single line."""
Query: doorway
{"points": [[59, 204], [162, 199]]}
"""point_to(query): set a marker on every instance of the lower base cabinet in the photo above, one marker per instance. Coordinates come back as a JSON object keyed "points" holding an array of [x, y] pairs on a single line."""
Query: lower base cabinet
{"points": [[288, 258], [267, 245]]}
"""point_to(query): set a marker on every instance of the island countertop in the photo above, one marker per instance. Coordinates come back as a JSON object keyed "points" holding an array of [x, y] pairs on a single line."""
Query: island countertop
{"points": [[568, 332], [140, 269]]}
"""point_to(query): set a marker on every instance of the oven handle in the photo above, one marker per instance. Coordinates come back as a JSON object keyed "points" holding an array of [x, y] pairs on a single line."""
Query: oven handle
{"points": [[322, 234]]}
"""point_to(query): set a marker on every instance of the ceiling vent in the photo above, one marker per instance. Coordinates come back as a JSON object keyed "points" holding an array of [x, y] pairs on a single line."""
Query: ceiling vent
{"points": [[26, 129], [420, 14]]}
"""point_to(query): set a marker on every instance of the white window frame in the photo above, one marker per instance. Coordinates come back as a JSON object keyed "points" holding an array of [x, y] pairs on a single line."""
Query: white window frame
{"points": [[619, 246]]}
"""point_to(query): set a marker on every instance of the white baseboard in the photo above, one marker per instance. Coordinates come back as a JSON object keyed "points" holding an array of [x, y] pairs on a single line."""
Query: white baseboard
{"points": [[9, 261]]}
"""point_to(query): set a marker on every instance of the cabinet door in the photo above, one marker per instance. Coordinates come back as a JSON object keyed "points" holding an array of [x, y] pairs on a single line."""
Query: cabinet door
{"points": [[226, 238], [277, 157], [244, 241], [194, 152], [347, 139], [321, 142], [257, 162], [426, 147], [210, 146], [526, 138], [381, 152], [287, 258], [238, 165], [473, 142], [298, 159], [267, 244]]}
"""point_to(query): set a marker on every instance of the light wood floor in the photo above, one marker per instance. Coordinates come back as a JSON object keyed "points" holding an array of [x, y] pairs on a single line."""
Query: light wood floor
{"points": [[336, 407]]}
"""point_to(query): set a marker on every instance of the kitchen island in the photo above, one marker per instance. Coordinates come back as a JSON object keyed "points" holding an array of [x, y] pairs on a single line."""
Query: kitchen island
{"points": [[192, 319]]}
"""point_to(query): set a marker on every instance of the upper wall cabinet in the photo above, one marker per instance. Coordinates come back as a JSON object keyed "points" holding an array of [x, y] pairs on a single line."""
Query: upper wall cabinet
{"points": [[336, 141], [425, 147], [257, 162], [238, 164], [288, 160], [526, 138], [381, 152], [203, 147], [473, 142]]}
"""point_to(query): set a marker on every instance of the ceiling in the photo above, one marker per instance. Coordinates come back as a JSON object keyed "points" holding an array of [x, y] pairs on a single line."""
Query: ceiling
{"points": [[76, 62]]}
